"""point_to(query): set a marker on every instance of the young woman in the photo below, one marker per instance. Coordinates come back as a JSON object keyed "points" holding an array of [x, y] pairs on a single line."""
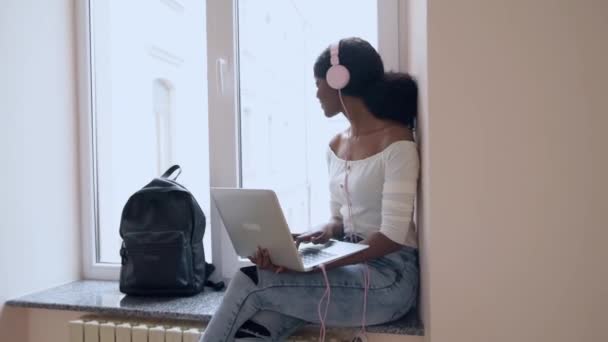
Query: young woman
{"points": [[373, 169]]}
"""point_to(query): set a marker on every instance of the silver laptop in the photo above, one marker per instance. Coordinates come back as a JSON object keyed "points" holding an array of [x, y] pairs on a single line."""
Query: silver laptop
{"points": [[254, 218]]}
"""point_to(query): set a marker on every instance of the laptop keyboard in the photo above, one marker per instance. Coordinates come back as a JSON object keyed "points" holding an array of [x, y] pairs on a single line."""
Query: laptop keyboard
{"points": [[312, 255]]}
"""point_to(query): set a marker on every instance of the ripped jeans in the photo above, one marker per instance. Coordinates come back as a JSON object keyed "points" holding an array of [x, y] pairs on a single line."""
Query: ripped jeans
{"points": [[281, 303]]}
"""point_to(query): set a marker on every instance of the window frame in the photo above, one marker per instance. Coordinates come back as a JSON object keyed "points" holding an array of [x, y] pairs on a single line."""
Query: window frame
{"points": [[224, 130], [89, 217]]}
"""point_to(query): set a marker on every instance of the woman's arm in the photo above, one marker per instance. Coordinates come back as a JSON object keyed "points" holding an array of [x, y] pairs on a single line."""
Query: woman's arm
{"points": [[379, 246], [334, 228]]}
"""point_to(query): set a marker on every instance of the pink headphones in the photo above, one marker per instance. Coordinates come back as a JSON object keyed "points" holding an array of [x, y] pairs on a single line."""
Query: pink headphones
{"points": [[337, 75]]}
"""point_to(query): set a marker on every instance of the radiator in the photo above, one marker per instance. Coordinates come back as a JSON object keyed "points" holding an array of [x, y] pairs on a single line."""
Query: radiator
{"points": [[103, 329], [109, 330]]}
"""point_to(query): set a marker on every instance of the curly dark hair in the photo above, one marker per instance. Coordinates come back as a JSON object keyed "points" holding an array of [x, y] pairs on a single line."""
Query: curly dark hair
{"points": [[388, 95]]}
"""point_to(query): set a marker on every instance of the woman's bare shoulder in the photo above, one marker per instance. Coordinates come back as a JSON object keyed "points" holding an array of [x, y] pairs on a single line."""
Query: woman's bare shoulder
{"points": [[337, 141], [397, 133]]}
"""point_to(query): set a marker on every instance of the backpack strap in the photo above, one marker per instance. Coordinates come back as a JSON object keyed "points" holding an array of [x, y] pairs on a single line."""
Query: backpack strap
{"points": [[219, 286], [216, 286], [171, 170]]}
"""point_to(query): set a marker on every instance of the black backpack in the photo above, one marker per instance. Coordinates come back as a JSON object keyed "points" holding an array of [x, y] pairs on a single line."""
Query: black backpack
{"points": [[162, 228]]}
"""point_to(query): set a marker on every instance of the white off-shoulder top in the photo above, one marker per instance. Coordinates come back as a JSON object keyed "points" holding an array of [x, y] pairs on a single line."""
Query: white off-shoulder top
{"points": [[382, 190]]}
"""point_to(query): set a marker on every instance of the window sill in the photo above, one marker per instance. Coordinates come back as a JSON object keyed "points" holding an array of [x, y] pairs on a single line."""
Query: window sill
{"points": [[104, 298]]}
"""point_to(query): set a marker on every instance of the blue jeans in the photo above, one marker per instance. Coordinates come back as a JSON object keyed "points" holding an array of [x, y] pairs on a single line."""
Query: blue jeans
{"points": [[283, 302]]}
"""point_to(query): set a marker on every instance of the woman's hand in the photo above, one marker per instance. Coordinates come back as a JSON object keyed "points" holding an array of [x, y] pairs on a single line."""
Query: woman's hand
{"points": [[318, 237], [262, 260]]}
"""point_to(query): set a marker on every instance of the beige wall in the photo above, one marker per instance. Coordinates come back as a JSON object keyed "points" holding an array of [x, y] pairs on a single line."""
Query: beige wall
{"points": [[516, 157], [52, 326], [38, 154], [49, 325]]}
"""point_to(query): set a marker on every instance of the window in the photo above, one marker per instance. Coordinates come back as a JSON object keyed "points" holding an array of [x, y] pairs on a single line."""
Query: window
{"points": [[146, 109], [148, 102], [276, 134], [283, 131], [163, 112]]}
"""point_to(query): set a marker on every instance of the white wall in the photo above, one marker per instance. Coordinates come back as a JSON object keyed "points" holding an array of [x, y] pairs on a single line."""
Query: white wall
{"points": [[38, 154], [515, 152], [416, 64]]}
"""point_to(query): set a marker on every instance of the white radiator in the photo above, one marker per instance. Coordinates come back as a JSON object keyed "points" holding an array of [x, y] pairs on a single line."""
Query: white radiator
{"points": [[102, 330]]}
